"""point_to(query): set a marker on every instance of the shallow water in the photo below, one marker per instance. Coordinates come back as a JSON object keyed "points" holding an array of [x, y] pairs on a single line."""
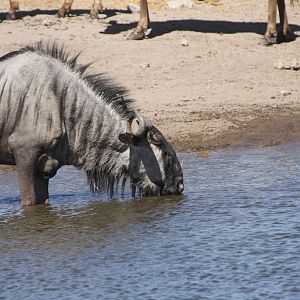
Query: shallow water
{"points": [[235, 234]]}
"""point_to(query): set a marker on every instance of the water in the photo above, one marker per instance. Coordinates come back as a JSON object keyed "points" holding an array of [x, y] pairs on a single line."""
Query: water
{"points": [[235, 234]]}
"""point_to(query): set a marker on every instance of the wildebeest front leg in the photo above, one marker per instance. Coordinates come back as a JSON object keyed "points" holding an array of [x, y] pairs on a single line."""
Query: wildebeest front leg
{"points": [[285, 34], [65, 8], [139, 32], [13, 6], [34, 188]]}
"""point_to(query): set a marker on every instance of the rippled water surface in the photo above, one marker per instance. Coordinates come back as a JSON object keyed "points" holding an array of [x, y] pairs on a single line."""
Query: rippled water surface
{"points": [[235, 234]]}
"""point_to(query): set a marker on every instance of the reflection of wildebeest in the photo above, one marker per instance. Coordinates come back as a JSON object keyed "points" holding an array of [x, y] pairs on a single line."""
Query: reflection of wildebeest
{"points": [[52, 114], [271, 36]]}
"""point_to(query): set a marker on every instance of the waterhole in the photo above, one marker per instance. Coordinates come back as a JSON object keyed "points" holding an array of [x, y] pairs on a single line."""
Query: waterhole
{"points": [[234, 234]]}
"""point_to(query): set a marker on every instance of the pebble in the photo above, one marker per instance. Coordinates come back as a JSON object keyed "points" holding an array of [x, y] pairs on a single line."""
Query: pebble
{"points": [[289, 64], [145, 65], [202, 154], [184, 43], [279, 65], [133, 8], [295, 64], [285, 93], [48, 23], [180, 3]]}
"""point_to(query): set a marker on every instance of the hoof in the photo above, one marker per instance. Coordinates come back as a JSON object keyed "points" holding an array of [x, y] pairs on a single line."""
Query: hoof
{"points": [[278, 38], [63, 13], [11, 17], [137, 36], [94, 17], [58, 15], [269, 40]]}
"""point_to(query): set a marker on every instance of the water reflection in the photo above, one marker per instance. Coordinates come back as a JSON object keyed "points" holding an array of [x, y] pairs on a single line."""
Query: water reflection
{"points": [[235, 234], [99, 219]]}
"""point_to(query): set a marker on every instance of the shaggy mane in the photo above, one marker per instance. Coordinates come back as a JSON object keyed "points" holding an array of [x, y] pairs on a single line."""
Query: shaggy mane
{"points": [[111, 93]]}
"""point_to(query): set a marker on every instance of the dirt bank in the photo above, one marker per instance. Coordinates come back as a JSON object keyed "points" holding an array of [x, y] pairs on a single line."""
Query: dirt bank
{"points": [[202, 77]]}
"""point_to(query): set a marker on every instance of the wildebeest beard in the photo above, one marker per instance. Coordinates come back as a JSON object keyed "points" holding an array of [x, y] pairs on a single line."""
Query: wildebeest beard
{"points": [[113, 174]]}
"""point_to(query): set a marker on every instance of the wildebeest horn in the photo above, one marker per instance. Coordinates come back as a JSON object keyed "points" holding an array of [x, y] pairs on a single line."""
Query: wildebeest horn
{"points": [[138, 125]]}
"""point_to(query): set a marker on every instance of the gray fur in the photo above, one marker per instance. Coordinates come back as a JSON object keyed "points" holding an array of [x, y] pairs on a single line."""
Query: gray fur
{"points": [[58, 113]]}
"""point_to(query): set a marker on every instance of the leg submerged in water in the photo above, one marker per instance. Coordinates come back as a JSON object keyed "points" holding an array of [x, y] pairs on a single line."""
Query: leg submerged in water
{"points": [[34, 188]]}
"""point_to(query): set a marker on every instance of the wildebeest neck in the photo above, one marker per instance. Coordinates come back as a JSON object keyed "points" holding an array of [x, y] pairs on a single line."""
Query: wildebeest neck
{"points": [[93, 126]]}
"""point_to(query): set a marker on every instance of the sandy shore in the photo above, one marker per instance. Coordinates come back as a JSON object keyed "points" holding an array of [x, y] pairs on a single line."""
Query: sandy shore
{"points": [[219, 89]]}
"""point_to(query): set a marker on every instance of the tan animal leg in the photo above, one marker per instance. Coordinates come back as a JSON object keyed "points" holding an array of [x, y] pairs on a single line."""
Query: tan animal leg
{"points": [[285, 33], [65, 9], [96, 8], [270, 36], [139, 32], [13, 6]]}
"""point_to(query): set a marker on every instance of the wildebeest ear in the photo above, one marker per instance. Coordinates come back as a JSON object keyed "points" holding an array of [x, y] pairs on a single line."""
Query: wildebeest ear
{"points": [[154, 138], [126, 138], [42, 161]]}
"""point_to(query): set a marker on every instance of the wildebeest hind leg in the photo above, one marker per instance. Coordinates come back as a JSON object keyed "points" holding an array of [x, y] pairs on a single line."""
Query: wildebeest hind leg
{"points": [[33, 188]]}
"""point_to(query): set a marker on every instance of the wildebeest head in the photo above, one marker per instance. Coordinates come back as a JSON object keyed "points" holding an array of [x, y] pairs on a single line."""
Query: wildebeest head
{"points": [[153, 165]]}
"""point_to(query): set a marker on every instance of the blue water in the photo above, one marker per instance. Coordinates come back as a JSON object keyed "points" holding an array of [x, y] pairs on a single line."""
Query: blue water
{"points": [[234, 234]]}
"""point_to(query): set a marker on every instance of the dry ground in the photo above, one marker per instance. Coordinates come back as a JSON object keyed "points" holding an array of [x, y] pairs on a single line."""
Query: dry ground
{"points": [[219, 90]]}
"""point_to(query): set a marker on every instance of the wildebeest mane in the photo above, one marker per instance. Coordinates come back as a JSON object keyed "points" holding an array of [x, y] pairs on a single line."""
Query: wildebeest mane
{"points": [[111, 93], [104, 172]]}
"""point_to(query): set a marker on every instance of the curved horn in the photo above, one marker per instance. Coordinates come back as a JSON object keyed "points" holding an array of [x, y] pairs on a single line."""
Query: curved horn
{"points": [[138, 125]]}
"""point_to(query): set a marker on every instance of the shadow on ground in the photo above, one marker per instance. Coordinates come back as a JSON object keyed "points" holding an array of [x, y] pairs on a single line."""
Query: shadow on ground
{"points": [[52, 12], [204, 26], [161, 28]]}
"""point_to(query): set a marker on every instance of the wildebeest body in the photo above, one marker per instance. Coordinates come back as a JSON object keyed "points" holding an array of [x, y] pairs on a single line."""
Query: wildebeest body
{"points": [[51, 115], [31, 113]]}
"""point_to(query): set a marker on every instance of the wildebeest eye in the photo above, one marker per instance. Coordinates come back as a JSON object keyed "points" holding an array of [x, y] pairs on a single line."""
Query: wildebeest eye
{"points": [[154, 138], [164, 153]]}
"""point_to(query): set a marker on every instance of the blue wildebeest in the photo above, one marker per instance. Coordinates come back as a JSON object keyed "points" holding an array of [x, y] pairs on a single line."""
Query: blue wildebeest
{"points": [[271, 36], [54, 113]]}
